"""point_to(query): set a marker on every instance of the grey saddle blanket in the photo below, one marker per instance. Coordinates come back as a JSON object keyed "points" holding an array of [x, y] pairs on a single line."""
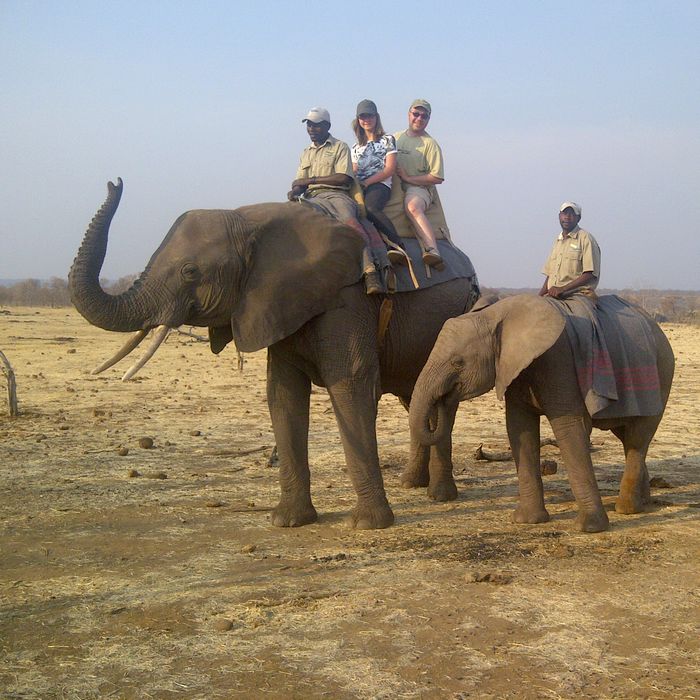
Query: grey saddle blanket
{"points": [[457, 265], [615, 356]]}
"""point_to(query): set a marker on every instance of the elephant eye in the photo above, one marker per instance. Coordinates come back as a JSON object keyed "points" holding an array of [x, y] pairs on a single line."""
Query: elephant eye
{"points": [[457, 362], [190, 272]]}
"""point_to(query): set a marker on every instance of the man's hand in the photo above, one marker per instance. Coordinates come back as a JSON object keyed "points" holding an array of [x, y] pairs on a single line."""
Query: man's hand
{"points": [[555, 292], [296, 191]]}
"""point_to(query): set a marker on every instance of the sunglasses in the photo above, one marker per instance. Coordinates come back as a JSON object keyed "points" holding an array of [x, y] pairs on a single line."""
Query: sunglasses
{"points": [[420, 115]]}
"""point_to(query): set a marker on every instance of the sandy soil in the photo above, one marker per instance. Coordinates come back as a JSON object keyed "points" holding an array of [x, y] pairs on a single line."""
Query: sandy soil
{"points": [[122, 586]]}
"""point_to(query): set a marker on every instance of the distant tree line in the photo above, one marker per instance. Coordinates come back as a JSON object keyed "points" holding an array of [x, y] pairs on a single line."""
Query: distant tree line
{"points": [[52, 293], [663, 305]]}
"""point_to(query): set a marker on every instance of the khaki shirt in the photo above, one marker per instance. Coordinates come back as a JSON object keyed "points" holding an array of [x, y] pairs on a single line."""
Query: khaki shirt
{"points": [[419, 155], [571, 257], [329, 158]]}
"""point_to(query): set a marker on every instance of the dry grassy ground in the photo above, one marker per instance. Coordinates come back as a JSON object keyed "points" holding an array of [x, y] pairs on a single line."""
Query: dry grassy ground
{"points": [[122, 586]]}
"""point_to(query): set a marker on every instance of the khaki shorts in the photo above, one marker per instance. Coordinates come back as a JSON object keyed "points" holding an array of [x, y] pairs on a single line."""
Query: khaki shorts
{"points": [[423, 193], [334, 202]]}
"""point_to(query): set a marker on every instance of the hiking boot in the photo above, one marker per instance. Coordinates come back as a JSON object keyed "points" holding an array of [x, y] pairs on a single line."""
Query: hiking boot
{"points": [[373, 283], [432, 258], [397, 257]]}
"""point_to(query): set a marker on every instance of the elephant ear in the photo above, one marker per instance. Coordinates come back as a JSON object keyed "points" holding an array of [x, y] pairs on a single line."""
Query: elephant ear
{"points": [[296, 263], [526, 327]]}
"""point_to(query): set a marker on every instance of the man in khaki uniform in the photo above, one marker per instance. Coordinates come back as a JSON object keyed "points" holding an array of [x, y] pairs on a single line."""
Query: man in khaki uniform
{"points": [[573, 264], [324, 178], [420, 167]]}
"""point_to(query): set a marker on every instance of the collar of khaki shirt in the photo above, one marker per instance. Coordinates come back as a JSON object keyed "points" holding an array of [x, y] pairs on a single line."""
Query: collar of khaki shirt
{"points": [[329, 141], [572, 234]]}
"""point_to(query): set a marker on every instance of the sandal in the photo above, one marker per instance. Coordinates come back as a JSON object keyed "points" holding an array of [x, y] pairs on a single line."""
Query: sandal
{"points": [[432, 258], [397, 257]]}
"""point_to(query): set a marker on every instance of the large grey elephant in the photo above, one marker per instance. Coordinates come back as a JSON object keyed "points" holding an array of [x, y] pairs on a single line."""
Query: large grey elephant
{"points": [[284, 277], [520, 346]]}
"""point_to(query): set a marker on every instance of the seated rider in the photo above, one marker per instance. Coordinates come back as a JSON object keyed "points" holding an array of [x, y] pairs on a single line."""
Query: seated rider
{"points": [[374, 163], [573, 265], [324, 178], [420, 167]]}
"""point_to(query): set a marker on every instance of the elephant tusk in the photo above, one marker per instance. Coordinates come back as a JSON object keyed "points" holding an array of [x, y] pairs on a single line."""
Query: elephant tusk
{"points": [[161, 333], [130, 344]]}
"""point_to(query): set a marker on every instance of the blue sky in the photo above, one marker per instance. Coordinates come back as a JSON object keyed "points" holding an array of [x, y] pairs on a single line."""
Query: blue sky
{"points": [[198, 105]]}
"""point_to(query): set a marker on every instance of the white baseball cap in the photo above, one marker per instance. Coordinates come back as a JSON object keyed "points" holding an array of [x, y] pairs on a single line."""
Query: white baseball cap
{"points": [[317, 114], [573, 205]]}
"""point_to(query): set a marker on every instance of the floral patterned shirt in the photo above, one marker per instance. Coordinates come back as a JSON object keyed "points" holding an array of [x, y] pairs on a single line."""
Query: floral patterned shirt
{"points": [[371, 158]]}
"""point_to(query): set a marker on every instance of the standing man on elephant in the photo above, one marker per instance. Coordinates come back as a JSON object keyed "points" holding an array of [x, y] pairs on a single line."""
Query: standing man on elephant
{"points": [[324, 178], [573, 264], [420, 167]]}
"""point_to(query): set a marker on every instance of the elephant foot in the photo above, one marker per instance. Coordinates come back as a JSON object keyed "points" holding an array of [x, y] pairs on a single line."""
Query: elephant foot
{"points": [[443, 491], [530, 516], [414, 480], [627, 504], [371, 517], [593, 522], [288, 513]]}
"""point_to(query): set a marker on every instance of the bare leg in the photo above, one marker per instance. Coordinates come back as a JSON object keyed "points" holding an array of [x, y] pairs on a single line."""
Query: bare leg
{"points": [[415, 209]]}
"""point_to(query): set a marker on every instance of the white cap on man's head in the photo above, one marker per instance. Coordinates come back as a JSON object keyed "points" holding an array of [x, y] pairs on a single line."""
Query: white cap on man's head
{"points": [[316, 115], [573, 205]]}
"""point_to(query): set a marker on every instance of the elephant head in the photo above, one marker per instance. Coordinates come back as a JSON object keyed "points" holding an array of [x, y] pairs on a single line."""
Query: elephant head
{"points": [[489, 346], [254, 275]]}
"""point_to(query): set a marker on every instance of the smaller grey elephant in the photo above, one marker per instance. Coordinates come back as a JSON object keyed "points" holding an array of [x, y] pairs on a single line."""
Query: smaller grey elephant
{"points": [[520, 345]]}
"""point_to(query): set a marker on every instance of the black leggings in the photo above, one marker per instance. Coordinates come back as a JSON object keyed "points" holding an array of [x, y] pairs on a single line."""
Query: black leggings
{"points": [[376, 197]]}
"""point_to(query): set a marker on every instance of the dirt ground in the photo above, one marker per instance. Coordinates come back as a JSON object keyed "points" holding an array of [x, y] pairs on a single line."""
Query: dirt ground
{"points": [[157, 574]]}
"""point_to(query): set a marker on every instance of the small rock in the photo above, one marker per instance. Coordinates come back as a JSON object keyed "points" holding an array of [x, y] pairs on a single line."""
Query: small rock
{"points": [[146, 443], [489, 577], [195, 433], [658, 482], [222, 625], [548, 467], [64, 427], [251, 504], [71, 351], [214, 504], [133, 473], [248, 548], [156, 475], [123, 451]]}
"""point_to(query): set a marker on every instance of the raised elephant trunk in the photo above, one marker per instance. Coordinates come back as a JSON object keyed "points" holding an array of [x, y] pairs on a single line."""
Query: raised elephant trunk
{"points": [[124, 312]]}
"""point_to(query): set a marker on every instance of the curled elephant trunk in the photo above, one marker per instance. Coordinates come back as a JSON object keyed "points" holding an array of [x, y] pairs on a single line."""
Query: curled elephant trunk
{"points": [[431, 418], [123, 312]]}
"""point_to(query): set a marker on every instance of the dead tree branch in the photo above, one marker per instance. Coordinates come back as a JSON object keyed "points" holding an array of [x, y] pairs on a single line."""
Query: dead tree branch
{"points": [[11, 384]]}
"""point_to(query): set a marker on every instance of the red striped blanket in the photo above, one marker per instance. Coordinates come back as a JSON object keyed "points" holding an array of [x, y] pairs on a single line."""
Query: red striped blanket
{"points": [[615, 356]]}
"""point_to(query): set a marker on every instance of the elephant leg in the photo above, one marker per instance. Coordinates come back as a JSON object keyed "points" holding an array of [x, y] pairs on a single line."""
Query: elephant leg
{"points": [[355, 405], [288, 392], [442, 485], [524, 436], [634, 486], [573, 437]]}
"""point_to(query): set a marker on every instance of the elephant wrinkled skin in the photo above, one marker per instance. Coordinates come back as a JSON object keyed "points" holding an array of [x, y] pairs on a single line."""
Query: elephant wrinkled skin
{"points": [[520, 346], [283, 277]]}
